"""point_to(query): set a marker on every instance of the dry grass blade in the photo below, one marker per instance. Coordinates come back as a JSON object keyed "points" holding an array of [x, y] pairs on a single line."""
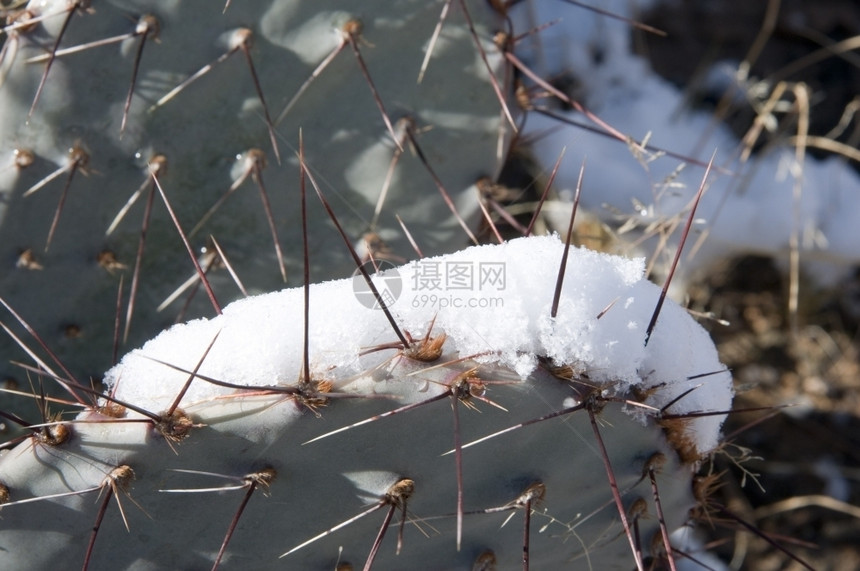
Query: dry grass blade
{"points": [[640, 25], [640, 145], [755, 530], [801, 95]]}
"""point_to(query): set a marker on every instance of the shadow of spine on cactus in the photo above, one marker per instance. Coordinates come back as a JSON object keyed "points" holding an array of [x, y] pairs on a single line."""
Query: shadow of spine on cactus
{"points": [[218, 442]]}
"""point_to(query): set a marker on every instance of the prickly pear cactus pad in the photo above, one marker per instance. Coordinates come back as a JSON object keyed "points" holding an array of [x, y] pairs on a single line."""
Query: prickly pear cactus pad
{"points": [[470, 427], [95, 96]]}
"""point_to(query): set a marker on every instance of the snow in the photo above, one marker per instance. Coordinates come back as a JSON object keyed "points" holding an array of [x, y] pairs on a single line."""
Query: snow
{"points": [[493, 302], [749, 208]]}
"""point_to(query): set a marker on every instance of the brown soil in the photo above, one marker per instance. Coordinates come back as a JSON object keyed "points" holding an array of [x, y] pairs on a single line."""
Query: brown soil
{"points": [[796, 471], [703, 33], [798, 476]]}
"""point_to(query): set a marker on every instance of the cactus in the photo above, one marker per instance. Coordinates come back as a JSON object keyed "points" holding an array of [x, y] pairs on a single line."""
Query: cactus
{"points": [[335, 439], [242, 442], [200, 137]]}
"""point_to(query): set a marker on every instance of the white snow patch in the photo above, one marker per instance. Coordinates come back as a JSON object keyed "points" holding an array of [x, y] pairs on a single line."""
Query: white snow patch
{"points": [[493, 302]]}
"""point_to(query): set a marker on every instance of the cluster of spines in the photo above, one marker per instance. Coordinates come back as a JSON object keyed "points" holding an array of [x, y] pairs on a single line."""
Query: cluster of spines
{"points": [[175, 425], [465, 386]]}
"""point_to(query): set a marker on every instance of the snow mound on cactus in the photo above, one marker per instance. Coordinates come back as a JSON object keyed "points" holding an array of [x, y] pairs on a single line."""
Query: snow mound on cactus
{"points": [[492, 302]]}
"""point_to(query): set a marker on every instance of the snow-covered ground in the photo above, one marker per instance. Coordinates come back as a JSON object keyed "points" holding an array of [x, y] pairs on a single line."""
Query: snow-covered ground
{"points": [[750, 207]]}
